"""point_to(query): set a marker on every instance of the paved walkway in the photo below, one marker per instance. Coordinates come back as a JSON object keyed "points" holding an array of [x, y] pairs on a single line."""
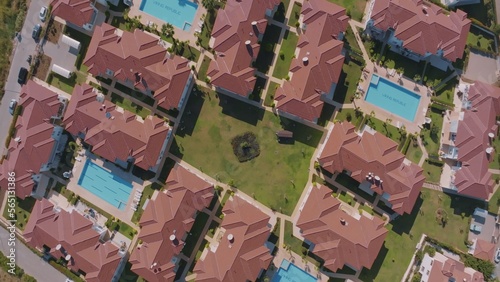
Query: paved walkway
{"points": [[425, 155]]}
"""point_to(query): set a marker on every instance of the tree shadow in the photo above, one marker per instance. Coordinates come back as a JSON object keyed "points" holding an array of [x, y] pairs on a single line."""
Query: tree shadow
{"points": [[240, 110], [368, 275]]}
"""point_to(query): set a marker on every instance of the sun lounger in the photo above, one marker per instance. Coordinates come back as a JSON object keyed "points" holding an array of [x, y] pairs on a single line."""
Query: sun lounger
{"points": [[78, 159], [197, 30]]}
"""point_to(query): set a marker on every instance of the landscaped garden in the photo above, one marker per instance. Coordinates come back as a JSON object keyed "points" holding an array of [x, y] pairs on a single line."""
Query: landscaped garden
{"points": [[23, 211], [350, 115], [348, 82], [276, 177], [295, 15], [386, 128], [271, 91], [130, 106], [414, 153], [431, 136], [355, 9], [202, 73], [432, 171], [495, 162], [481, 40], [405, 232], [286, 54]]}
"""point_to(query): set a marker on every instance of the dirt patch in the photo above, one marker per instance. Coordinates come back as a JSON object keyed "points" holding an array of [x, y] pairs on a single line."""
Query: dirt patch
{"points": [[42, 69], [6, 277], [54, 31]]}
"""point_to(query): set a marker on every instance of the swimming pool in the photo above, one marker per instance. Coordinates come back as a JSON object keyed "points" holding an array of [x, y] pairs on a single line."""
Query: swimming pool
{"points": [[177, 12], [288, 272], [105, 185], [392, 97]]}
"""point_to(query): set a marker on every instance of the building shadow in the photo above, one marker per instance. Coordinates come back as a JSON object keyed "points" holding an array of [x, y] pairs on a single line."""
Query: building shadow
{"points": [[240, 110], [301, 132], [191, 113], [404, 223], [369, 275]]}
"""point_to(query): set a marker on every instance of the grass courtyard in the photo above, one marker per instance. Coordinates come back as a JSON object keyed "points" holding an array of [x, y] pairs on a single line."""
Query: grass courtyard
{"points": [[276, 177], [286, 54], [405, 232]]}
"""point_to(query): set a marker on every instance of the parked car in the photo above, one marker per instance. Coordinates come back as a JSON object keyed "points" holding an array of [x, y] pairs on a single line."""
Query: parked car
{"points": [[36, 31], [12, 106], [23, 74], [497, 255], [43, 13]]}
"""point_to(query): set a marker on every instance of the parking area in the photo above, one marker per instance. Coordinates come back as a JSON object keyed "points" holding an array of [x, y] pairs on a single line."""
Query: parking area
{"points": [[482, 67], [61, 53]]}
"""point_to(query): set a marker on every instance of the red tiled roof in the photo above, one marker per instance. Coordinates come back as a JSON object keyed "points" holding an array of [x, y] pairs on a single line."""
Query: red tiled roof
{"points": [[472, 140], [301, 95], [484, 250], [115, 134], [442, 270], [242, 258], [47, 227], [77, 12], [423, 27], [34, 129], [137, 58], [355, 243], [377, 154], [233, 27], [171, 212]]}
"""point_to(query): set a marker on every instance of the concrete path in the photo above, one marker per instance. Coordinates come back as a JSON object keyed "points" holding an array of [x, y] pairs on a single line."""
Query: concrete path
{"points": [[425, 155]]}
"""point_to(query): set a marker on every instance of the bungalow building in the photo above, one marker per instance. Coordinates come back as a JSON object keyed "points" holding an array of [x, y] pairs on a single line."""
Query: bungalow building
{"points": [[440, 268], [373, 160], [166, 222], [236, 34], [317, 65], [76, 240], [242, 253], [81, 15], [38, 142], [419, 30], [117, 135], [139, 60], [468, 144], [339, 237]]}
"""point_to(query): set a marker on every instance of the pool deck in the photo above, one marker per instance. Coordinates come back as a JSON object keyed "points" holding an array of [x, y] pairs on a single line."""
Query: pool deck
{"points": [[180, 34], [382, 114], [138, 185], [297, 261]]}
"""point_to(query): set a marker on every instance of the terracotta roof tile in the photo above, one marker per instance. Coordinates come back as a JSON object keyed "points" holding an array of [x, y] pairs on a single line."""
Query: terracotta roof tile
{"points": [[301, 95], [77, 12], [356, 242], [137, 58], [46, 227], [34, 129], [170, 213], [423, 27], [242, 258], [377, 154], [115, 135]]}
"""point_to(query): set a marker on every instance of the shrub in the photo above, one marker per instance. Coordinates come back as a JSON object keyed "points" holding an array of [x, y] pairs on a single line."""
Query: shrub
{"points": [[282, 55], [245, 146]]}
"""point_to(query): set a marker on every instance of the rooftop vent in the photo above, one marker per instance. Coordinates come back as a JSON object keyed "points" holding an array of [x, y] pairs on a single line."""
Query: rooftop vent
{"points": [[248, 42], [230, 237], [18, 139], [254, 23], [489, 150], [68, 257], [58, 247], [342, 221], [491, 135]]}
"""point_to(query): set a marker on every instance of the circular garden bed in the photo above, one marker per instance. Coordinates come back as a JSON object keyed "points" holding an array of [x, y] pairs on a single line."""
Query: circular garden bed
{"points": [[245, 146]]}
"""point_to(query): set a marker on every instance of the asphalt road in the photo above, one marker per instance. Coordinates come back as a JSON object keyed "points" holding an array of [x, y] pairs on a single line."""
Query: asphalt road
{"points": [[25, 46], [30, 262]]}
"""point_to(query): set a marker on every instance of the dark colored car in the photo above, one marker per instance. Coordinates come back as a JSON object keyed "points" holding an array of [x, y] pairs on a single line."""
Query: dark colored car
{"points": [[23, 74], [36, 32]]}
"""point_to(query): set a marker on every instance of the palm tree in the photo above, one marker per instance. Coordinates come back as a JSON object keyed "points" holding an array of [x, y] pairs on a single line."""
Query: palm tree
{"points": [[209, 4], [417, 78], [167, 30]]}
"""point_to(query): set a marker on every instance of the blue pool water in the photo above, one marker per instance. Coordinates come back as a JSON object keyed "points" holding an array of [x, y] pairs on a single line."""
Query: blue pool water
{"points": [[177, 12], [288, 272], [105, 185], [392, 97]]}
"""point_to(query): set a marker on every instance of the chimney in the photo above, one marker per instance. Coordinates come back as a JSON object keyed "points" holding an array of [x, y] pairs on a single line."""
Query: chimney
{"points": [[248, 42], [230, 238], [174, 240], [491, 136], [489, 150], [342, 221]]}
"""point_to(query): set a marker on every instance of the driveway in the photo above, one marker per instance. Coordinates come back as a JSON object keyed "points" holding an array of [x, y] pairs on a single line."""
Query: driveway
{"points": [[26, 46], [30, 262]]}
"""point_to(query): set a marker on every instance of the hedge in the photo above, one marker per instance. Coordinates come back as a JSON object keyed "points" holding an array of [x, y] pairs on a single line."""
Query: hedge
{"points": [[12, 128], [481, 49], [434, 160], [406, 145], [64, 270], [445, 103]]}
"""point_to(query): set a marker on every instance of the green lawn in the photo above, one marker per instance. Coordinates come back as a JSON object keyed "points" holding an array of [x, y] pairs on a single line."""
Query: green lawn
{"points": [[23, 211], [353, 185], [355, 8], [84, 44], [495, 163], [350, 39], [346, 198], [266, 53], [276, 177], [65, 84], [206, 31], [414, 154], [285, 55], [271, 90], [295, 15], [348, 81], [292, 242], [494, 202], [195, 233], [481, 40], [385, 128], [130, 106], [350, 115], [147, 193], [280, 13], [446, 92], [405, 232], [432, 136], [202, 73], [432, 172]]}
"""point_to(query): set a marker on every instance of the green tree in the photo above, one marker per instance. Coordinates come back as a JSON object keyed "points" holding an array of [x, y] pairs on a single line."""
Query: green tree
{"points": [[167, 30], [209, 4]]}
